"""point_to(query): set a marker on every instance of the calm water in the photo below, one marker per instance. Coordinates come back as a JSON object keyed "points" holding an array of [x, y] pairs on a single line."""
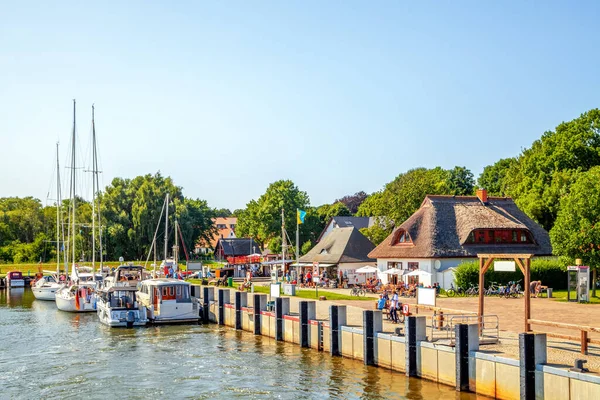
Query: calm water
{"points": [[47, 353]]}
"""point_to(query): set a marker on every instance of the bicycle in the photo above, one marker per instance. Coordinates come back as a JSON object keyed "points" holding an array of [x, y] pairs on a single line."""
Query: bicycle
{"points": [[356, 291], [458, 291]]}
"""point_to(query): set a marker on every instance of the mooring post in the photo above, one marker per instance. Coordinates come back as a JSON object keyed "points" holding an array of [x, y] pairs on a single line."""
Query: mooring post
{"points": [[372, 324], [260, 304], [224, 298], [207, 297], [282, 307], [411, 345], [461, 348], [527, 365], [241, 300], [307, 312], [337, 319]]}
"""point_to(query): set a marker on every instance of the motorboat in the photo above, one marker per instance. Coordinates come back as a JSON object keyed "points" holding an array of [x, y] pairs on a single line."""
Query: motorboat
{"points": [[168, 301], [125, 276], [117, 306], [14, 279], [46, 287], [77, 297]]}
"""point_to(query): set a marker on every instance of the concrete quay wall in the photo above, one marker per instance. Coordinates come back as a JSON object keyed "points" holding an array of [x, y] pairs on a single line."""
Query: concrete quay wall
{"points": [[484, 373]]}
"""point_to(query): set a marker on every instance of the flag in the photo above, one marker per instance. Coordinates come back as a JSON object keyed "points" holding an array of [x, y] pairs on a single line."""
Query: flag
{"points": [[300, 214]]}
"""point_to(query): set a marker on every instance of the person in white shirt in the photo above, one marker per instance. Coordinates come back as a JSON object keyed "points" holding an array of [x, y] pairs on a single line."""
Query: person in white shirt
{"points": [[394, 307]]}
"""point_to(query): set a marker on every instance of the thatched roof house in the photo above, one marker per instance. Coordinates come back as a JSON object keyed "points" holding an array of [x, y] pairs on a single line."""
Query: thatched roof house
{"points": [[445, 230]]}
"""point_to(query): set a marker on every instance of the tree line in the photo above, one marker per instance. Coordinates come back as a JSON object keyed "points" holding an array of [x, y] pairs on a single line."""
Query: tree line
{"points": [[130, 210]]}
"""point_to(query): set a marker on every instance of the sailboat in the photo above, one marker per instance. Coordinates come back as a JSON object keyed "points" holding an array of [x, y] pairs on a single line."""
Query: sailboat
{"points": [[46, 287], [80, 296]]}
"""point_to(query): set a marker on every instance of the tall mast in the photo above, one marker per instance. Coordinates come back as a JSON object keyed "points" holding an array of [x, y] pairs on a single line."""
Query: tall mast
{"points": [[283, 244], [166, 224], [94, 172], [57, 214], [73, 176], [176, 248]]}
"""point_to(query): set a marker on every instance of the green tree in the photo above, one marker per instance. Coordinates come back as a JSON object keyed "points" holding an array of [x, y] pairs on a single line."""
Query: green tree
{"points": [[493, 177], [306, 247], [262, 218], [328, 211], [222, 212], [543, 173], [460, 181], [377, 232], [576, 232]]}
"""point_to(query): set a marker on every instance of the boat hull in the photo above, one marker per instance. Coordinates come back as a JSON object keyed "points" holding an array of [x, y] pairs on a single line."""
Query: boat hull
{"points": [[47, 293], [69, 304], [15, 283], [122, 318]]}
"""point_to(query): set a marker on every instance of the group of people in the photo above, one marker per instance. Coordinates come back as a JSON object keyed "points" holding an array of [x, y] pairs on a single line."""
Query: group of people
{"points": [[392, 303], [535, 287]]}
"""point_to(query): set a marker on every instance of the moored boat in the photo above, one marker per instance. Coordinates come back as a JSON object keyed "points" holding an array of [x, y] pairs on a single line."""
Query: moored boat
{"points": [[14, 279], [78, 297], [118, 307], [168, 301], [46, 287]]}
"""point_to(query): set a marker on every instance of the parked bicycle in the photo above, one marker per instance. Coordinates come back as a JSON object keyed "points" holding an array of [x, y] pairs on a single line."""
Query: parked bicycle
{"points": [[356, 291], [452, 291]]}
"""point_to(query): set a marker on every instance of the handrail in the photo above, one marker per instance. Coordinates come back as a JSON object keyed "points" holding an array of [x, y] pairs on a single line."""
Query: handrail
{"points": [[582, 328], [564, 325]]}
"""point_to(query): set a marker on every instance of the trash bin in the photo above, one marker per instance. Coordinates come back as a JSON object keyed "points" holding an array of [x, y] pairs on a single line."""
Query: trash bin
{"points": [[230, 282], [289, 289], [549, 292]]}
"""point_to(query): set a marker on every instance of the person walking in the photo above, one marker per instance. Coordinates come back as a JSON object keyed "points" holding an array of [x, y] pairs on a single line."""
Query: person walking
{"points": [[394, 307]]}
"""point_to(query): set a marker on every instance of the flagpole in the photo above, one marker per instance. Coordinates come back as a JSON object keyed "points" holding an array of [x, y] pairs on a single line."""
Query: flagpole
{"points": [[297, 244]]}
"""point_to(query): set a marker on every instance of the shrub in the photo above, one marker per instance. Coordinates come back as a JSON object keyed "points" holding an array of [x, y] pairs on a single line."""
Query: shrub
{"points": [[549, 271]]}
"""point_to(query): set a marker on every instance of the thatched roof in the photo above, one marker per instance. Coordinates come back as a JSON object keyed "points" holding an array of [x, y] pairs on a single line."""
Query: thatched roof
{"points": [[342, 245], [441, 226]]}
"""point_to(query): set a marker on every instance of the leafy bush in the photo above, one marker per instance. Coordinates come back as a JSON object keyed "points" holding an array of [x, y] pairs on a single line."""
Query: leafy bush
{"points": [[549, 271]]}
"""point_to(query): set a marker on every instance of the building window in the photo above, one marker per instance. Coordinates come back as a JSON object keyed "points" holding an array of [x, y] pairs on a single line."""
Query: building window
{"points": [[413, 266], [401, 237], [394, 264], [499, 236], [221, 226]]}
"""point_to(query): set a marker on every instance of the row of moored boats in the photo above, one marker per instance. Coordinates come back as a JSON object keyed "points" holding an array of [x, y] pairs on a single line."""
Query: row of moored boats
{"points": [[127, 297]]}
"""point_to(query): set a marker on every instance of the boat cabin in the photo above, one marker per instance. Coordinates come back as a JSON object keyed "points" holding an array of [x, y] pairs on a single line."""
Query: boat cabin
{"points": [[15, 279], [127, 275], [168, 300], [119, 297]]}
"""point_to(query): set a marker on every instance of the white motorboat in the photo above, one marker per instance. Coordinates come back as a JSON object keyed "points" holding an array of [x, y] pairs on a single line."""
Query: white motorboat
{"points": [[168, 301], [125, 276], [46, 287], [117, 307], [14, 279]]}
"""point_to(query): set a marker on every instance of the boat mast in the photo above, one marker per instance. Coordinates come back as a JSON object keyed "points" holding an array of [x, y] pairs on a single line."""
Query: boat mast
{"points": [[283, 245], [73, 176], [57, 214], [94, 171], [166, 224], [176, 248]]}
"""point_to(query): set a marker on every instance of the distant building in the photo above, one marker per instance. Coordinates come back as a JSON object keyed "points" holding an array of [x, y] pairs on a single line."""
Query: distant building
{"points": [[349, 222], [235, 247], [225, 230], [448, 230], [340, 253]]}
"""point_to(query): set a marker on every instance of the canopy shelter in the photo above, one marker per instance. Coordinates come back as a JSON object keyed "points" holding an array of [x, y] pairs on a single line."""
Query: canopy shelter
{"points": [[418, 272], [524, 263]]}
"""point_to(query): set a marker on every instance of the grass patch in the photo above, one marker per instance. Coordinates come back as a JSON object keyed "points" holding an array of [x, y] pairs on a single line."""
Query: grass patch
{"points": [[561, 295]]}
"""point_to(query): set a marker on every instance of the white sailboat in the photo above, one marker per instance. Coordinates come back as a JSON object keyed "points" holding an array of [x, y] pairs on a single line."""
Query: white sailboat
{"points": [[80, 296], [46, 287]]}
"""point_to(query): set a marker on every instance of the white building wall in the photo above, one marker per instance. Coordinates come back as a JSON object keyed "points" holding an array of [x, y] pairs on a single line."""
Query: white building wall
{"points": [[353, 277], [444, 278]]}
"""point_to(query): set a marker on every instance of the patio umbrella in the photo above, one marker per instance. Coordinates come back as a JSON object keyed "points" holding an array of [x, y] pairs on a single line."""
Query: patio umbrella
{"points": [[418, 272], [393, 271], [367, 269]]}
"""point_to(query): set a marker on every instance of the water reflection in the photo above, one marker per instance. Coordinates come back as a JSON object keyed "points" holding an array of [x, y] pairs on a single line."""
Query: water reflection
{"points": [[80, 355]]}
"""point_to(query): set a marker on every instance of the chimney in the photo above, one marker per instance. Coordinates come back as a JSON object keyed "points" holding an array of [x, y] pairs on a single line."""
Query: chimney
{"points": [[482, 195]]}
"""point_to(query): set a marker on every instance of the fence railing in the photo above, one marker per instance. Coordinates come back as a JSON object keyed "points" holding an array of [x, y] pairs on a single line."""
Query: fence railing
{"points": [[442, 326], [583, 331]]}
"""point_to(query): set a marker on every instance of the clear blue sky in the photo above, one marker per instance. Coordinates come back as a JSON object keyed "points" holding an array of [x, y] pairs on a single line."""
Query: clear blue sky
{"points": [[339, 96]]}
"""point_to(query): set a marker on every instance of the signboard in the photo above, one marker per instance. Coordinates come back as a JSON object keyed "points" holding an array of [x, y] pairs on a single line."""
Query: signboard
{"points": [[316, 268], [426, 296], [504, 266], [275, 289]]}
